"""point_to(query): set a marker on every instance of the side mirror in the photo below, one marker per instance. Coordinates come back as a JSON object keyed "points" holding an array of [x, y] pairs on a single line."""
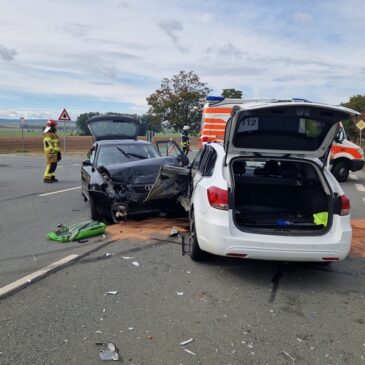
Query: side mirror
{"points": [[86, 162], [340, 136]]}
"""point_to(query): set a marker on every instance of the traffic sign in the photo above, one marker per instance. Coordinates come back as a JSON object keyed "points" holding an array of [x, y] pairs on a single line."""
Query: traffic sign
{"points": [[360, 124], [64, 116]]}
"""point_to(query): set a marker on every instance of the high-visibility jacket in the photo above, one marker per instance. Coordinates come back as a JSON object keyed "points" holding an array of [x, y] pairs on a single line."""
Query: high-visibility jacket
{"points": [[51, 144], [184, 141]]}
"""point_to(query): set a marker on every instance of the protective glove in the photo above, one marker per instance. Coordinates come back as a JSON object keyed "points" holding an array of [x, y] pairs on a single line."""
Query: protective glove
{"points": [[59, 156]]}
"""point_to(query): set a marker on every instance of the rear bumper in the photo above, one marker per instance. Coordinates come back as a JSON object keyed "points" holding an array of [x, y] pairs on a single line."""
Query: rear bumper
{"points": [[218, 236], [356, 165]]}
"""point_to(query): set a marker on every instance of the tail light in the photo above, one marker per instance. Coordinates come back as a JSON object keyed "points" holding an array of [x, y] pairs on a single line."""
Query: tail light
{"points": [[345, 205], [218, 198], [204, 139]]}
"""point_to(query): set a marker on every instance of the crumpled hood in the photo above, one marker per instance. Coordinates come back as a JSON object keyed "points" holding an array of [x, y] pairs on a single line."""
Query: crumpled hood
{"points": [[139, 172]]}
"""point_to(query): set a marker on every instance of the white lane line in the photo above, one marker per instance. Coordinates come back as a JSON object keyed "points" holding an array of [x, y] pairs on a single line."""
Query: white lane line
{"points": [[26, 280], [59, 191], [360, 187], [363, 200], [354, 177], [76, 164]]}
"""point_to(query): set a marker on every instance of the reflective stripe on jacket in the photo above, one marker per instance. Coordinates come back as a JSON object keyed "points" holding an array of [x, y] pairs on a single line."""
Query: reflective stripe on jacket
{"points": [[51, 142]]}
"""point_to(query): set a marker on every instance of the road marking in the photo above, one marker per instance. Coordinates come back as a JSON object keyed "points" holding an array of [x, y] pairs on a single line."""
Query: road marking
{"points": [[360, 187], [354, 177], [363, 199], [59, 191], [26, 280], [74, 164]]}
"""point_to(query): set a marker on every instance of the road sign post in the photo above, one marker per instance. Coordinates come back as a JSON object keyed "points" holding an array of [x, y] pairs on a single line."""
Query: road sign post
{"points": [[360, 125], [65, 117], [22, 126]]}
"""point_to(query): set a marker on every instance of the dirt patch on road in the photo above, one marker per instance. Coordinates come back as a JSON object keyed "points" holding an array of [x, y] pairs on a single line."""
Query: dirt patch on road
{"points": [[147, 228], [358, 237]]}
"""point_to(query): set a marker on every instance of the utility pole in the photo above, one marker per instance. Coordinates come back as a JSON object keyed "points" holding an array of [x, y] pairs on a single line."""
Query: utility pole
{"points": [[22, 127]]}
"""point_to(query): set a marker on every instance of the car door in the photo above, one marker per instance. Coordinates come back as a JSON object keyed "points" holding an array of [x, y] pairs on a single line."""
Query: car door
{"points": [[171, 148], [204, 170]]}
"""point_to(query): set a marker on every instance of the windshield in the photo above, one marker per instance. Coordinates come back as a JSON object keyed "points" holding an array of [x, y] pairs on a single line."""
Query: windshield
{"points": [[114, 154]]}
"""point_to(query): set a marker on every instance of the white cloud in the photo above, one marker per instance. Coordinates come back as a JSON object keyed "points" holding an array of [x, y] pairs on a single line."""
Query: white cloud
{"points": [[114, 51]]}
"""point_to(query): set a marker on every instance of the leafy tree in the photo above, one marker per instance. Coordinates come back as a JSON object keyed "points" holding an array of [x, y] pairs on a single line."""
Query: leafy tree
{"points": [[178, 101], [232, 93], [81, 122], [356, 102]]}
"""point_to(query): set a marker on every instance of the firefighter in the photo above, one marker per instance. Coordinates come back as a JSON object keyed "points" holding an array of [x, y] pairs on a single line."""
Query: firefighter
{"points": [[51, 144], [185, 140]]}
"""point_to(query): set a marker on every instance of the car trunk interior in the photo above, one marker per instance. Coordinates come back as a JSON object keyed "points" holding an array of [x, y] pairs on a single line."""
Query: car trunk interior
{"points": [[279, 196]]}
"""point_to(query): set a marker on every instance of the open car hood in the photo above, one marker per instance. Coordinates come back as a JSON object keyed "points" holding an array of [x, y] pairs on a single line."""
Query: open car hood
{"points": [[296, 129], [109, 127]]}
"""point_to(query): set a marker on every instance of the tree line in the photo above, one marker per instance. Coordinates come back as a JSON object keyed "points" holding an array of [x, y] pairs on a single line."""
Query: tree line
{"points": [[179, 101]]}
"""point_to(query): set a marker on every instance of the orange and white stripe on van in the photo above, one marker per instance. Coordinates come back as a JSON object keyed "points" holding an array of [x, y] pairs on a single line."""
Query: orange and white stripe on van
{"points": [[214, 122]]}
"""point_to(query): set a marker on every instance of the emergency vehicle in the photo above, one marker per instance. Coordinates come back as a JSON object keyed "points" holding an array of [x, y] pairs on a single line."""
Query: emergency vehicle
{"points": [[345, 156]]}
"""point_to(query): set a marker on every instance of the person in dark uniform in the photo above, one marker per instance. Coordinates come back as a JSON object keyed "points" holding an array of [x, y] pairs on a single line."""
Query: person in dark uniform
{"points": [[185, 140]]}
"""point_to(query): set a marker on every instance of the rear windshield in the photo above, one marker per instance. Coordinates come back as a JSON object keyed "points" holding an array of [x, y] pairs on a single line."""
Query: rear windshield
{"points": [[282, 129]]}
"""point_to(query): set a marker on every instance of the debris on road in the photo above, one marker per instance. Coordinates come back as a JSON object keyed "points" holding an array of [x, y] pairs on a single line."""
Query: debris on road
{"points": [[127, 257], [180, 293], [110, 352], [112, 292], [136, 263], [289, 356], [107, 254], [34, 258], [190, 352], [186, 342], [77, 232], [174, 232]]}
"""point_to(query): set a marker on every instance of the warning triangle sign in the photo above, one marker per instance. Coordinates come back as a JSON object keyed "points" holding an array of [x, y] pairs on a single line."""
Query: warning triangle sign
{"points": [[64, 115]]}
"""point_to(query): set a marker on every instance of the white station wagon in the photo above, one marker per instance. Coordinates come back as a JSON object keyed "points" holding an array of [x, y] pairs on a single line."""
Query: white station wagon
{"points": [[266, 193]]}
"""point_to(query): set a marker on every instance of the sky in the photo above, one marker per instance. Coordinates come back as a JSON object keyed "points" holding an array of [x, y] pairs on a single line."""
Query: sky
{"points": [[109, 55]]}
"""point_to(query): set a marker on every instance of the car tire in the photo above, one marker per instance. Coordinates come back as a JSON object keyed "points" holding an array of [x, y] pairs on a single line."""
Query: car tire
{"points": [[196, 253], [95, 215], [340, 171]]}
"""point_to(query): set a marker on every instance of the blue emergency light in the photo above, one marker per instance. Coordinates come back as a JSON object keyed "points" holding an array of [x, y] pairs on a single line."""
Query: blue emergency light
{"points": [[215, 98]]}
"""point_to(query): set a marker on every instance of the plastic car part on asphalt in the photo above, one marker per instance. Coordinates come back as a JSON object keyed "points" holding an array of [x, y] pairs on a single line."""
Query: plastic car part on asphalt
{"points": [[77, 232], [108, 353]]}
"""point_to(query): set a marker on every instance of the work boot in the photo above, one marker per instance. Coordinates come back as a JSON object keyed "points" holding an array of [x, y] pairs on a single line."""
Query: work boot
{"points": [[54, 179]]}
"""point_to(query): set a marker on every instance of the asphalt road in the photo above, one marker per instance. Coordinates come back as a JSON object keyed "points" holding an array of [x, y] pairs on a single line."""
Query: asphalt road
{"points": [[238, 312], [26, 217]]}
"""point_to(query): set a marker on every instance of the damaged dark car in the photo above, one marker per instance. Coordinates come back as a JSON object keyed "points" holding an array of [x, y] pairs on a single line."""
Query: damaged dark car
{"points": [[120, 170]]}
